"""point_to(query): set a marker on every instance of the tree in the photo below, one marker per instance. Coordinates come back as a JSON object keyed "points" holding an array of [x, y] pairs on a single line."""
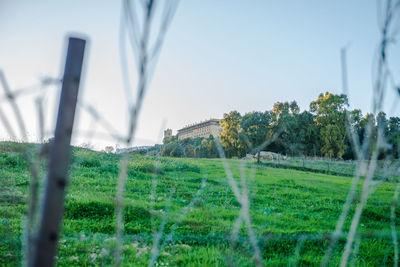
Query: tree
{"points": [[230, 135], [255, 127], [332, 141], [308, 134], [109, 149], [382, 123], [169, 139], [329, 108], [394, 135], [353, 119], [177, 151], [190, 151], [284, 120], [368, 133], [201, 150], [167, 148], [212, 151], [382, 128], [330, 114]]}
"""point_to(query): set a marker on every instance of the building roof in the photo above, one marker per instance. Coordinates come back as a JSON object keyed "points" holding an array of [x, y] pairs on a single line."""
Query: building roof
{"points": [[199, 125]]}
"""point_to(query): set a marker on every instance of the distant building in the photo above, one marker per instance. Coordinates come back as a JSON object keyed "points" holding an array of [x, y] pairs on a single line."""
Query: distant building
{"points": [[203, 129], [168, 133]]}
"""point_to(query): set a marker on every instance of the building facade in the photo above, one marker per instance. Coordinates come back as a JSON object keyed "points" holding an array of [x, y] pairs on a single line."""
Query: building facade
{"points": [[203, 129], [168, 133]]}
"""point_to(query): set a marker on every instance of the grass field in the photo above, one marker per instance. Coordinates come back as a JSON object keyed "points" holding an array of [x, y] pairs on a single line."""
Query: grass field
{"points": [[292, 213], [386, 169]]}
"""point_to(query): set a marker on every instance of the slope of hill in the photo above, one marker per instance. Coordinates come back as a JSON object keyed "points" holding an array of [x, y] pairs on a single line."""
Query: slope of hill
{"points": [[292, 212]]}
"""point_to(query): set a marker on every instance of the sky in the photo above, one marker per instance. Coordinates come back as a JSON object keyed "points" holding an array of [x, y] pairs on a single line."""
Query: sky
{"points": [[218, 56]]}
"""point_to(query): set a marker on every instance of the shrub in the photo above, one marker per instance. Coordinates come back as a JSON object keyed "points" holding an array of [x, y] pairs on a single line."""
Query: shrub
{"points": [[144, 165], [12, 160], [90, 163], [109, 168]]}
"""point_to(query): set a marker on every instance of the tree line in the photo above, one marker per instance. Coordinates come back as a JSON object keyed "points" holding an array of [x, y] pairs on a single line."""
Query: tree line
{"points": [[190, 147], [322, 131]]}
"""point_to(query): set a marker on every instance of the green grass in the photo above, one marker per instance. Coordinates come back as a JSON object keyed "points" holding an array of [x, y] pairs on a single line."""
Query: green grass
{"points": [[387, 170], [286, 206]]}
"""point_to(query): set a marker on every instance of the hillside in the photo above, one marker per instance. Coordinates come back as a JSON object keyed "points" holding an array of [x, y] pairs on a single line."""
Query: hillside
{"points": [[292, 212]]}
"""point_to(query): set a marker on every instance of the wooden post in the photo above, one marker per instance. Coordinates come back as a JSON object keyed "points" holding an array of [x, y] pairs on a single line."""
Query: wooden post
{"points": [[60, 153]]}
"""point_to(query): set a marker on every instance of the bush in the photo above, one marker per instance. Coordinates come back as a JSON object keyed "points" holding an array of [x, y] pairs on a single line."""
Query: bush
{"points": [[90, 163], [144, 165], [100, 211], [109, 168], [13, 160], [85, 158], [175, 165]]}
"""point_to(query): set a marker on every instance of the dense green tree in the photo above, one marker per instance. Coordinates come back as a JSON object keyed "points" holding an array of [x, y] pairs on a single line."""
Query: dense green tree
{"points": [[352, 124], [169, 139], [333, 144], [167, 148], [230, 135], [190, 147], [354, 119], [394, 135], [367, 133], [207, 148], [382, 123], [190, 151], [177, 151], [321, 131], [255, 129], [212, 151], [330, 116], [329, 108], [382, 127], [278, 110], [284, 121], [308, 134], [201, 150]]}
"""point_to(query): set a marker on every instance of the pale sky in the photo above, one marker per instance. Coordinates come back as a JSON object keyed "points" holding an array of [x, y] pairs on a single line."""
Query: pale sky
{"points": [[218, 56]]}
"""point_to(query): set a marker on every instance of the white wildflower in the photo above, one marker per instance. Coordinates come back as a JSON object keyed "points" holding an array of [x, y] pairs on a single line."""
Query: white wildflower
{"points": [[73, 258], [93, 257], [104, 252]]}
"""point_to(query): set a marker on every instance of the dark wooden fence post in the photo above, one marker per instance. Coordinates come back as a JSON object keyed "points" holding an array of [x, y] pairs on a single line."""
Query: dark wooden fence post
{"points": [[60, 153]]}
